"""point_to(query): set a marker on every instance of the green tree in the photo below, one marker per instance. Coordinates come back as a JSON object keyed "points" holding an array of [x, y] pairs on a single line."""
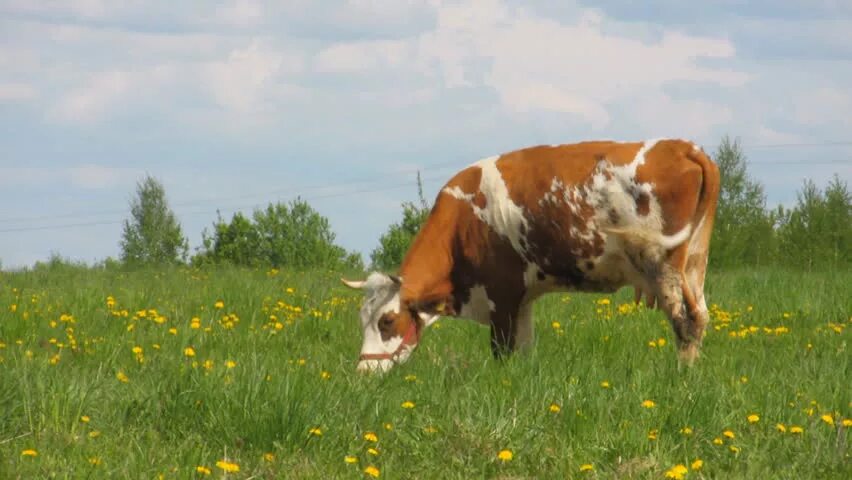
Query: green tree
{"points": [[816, 232], [152, 234], [743, 233], [290, 235], [394, 243]]}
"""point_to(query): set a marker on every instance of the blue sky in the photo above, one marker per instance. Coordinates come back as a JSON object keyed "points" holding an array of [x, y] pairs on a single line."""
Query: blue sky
{"points": [[236, 104]]}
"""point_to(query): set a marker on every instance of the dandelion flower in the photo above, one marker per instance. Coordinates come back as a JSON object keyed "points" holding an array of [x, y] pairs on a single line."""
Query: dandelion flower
{"points": [[410, 378], [505, 455], [795, 429], [605, 384], [408, 404], [718, 441], [388, 426], [230, 363], [219, 304], [94, 434], [697, 464], [554, 408], [372, 451], [316, 431], [686, 430], [753, 418], [371, 437], [29, 453], [649, 404], [122, 377], [372, 471], [587, 467], [269, 456], [728, 434], [189, 351], [677, 472], [85, 419], [780, 427], [734, 449], [95, 461], [827, 418], [350, 459], [847, 422], [227, 466], [203, 470]]}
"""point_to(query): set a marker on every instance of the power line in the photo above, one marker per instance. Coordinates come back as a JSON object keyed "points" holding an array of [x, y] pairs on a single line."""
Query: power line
{"points": [[367, 180], [229, 209]]}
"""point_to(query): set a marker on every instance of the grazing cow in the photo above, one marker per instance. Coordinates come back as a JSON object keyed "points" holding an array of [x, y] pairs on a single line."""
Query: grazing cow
{"points": [[593, 217]]}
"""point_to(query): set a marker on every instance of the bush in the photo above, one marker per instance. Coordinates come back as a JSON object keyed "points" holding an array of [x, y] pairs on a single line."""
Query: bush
{"points": [[290, 235]]}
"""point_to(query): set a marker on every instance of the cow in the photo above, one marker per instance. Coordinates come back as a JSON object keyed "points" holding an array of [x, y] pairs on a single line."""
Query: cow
{"points": [[592, 216]]}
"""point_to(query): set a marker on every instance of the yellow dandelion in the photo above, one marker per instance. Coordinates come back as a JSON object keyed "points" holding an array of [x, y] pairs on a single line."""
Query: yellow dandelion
{"points": [[122, 377], [350, 459], [407, 404], [230, 363], [189, 351], [718, 441], [827, 418], [372, 451], [410, 378], [371, 437], [652, 434], [85, 419], [743, 379], [734, 449], [203, 470], [173, 331], [94, 434], [219, 304], [605, 384], [95, 461], [388, 426], [677, 472], [847, 422], [316, 431], [587, 467], [269, 456], [753, 418], [505, 455], [649, 404], [30, 452], [325, 375], [697, 464], [686, 431], [795, 429], [554, 408], [780, 427], [372, 471], [729, 434], [228, 467]]}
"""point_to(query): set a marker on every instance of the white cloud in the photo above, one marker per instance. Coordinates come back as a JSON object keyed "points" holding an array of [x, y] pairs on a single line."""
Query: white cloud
{"points": [[91, 102], [85, 176], [93, 177], [823, 106], [250, 75], [362, 56], [17, 92]]}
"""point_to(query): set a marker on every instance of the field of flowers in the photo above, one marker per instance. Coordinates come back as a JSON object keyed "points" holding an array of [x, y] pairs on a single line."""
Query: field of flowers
{"points": [[239, 373]]}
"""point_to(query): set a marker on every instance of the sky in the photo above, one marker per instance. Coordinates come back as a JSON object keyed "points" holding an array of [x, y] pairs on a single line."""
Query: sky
{"points": [[233, 105]]}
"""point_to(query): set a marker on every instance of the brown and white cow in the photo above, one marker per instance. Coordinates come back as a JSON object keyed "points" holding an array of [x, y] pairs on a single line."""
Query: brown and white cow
{"points": [[593, 216]]}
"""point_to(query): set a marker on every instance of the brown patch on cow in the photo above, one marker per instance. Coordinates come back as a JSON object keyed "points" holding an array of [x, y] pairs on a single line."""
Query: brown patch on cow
{"points": [[643, 204], [479, 200], [393, 324]]}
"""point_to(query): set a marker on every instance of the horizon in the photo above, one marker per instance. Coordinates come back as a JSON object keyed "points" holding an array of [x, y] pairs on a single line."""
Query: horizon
{"points": [[239, 104]]}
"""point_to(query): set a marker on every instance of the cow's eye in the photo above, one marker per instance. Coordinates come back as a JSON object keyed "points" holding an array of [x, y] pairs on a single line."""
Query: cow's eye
{"points": [[385, 322]]}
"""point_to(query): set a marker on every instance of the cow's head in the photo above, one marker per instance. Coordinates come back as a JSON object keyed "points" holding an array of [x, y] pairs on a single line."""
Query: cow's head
{"points": [[391, 327]]}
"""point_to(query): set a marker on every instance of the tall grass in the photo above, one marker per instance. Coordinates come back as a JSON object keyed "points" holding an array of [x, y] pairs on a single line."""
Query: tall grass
{"points": [[777, 348]]}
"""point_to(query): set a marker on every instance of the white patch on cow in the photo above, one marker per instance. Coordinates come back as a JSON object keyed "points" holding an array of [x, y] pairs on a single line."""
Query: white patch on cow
{"points": [[479, 306], [503, 215], [530, 275], [458, 193]]}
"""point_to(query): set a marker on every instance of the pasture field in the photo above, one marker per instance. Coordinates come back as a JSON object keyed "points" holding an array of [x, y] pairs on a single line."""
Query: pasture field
{"points": [[250, 374]]}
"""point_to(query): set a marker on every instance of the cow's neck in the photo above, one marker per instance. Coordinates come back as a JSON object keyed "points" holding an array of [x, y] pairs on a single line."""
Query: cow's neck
{"points": [[427, 268]]}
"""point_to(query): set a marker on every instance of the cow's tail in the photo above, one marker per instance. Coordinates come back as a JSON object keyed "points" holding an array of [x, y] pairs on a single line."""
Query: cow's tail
{"points": [[650, 238], [705, 210]]}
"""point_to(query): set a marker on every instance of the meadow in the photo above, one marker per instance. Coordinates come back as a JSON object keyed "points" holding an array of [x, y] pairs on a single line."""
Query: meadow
{"points": [[240, 373]]}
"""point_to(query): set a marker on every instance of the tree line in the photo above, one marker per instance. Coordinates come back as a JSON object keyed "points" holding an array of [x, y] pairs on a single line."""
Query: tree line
{"points": [[814, 233]]}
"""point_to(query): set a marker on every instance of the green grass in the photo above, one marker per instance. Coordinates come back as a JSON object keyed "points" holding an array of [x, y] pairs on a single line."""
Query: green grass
{"points": [[174, 414]]}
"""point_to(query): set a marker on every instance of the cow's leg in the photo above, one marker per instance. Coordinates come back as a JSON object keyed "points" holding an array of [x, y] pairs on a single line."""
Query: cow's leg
{"points": [[502, 335], [677, 298], [524, 327]]}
